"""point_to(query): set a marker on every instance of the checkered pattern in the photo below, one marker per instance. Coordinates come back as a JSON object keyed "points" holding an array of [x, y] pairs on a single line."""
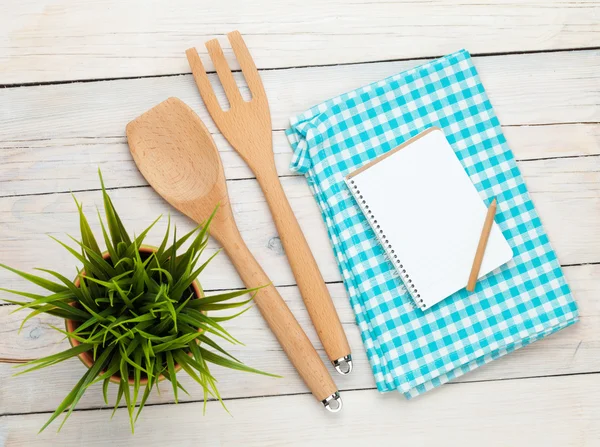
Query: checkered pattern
{"points": [[528, 298]]}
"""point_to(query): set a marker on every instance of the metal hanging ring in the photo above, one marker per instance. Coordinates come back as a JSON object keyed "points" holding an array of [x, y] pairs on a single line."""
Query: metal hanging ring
{"points": [[343, 365], [333, 403]]}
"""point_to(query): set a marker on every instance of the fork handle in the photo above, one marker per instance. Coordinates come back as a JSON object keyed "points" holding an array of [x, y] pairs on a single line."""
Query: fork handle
{"points": [[308, 277], [281, 321]]}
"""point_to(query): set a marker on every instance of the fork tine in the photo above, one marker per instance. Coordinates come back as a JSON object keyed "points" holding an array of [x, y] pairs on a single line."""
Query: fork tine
{"points": [[202, 82], [246, 63], [223, 71]]}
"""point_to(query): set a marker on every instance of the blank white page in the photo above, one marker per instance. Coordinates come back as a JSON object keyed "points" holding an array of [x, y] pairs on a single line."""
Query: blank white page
{"points": [[428, 215]]}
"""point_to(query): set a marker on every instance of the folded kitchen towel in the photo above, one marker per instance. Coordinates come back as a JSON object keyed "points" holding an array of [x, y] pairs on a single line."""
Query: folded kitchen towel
{"points": [[526, 299]]}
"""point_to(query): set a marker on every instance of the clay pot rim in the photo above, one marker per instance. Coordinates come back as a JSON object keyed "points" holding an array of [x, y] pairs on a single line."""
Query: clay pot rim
{"points": [[86, 357]]}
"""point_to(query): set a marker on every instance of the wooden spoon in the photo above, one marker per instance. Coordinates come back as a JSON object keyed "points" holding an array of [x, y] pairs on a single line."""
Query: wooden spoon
{"points": [[177, 155]]}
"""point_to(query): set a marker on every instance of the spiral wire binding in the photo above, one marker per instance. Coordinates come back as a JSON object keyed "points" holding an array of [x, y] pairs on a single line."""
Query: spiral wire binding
{"points": [[387, 247]]}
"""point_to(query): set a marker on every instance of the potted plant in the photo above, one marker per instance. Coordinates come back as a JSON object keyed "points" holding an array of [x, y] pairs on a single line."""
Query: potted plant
{"points": [[135, 314]]}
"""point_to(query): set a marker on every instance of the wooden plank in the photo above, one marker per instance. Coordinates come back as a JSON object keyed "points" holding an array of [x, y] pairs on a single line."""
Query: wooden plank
{"points": [[562, 140], [58, 165], [557, 88], [559, 411], [573, 350], [49, 41], [564, 190]]}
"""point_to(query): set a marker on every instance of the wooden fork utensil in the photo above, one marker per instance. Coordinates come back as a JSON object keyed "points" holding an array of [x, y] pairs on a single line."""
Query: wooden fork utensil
{"points": [[176, 154], [247, 127]]}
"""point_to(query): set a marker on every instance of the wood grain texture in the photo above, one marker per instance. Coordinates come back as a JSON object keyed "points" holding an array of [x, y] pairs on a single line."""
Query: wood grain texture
{"points": [[522, 412], [40, 166], [525, 89], [565, 191], [246, 125], [574, 350], [52, 138], [47, 40]]}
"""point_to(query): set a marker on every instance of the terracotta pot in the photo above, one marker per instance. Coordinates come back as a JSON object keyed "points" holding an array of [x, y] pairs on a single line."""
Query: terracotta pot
{"points": [[86, 357]]}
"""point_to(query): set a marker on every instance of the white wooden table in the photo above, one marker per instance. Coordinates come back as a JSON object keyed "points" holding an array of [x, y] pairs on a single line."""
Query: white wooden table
{"points": [[75, 72]]}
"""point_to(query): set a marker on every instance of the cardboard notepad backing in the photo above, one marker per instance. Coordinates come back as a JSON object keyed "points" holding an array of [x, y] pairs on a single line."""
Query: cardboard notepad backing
{"points": [[526, 299]]}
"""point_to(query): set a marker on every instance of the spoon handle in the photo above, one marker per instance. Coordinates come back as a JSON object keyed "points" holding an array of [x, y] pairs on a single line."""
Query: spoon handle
{"points": [[280, 319]]}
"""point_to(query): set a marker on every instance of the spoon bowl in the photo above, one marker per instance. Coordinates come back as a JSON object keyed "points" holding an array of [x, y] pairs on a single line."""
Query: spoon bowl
{"points": [[176, 154]]}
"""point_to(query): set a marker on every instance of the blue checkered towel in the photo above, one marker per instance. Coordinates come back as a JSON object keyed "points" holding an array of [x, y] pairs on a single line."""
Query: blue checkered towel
{"points": [[528, 298]]}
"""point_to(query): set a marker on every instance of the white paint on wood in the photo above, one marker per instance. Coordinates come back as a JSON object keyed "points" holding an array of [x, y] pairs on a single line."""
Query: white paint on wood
{"points": [[543, 88], [46, 40], [53, 137], [59, 165], [573, 350], [565, 192], [557, 411], [547, 141]]}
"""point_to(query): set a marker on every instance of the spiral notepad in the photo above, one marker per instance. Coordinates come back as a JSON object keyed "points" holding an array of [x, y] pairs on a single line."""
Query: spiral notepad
{"points": [[427, 215]]}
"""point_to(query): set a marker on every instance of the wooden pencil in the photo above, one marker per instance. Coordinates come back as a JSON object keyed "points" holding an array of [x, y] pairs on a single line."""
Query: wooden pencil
{"points": [[483, 239]]}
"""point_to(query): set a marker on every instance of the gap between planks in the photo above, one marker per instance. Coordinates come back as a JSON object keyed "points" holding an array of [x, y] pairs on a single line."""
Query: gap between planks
{"points": [[116, 188], [565, 194], [123, 139], [292, 67], [283, 286], [552, 142], [552, 411], [554, 82], [575, 351], [272, 396]]}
